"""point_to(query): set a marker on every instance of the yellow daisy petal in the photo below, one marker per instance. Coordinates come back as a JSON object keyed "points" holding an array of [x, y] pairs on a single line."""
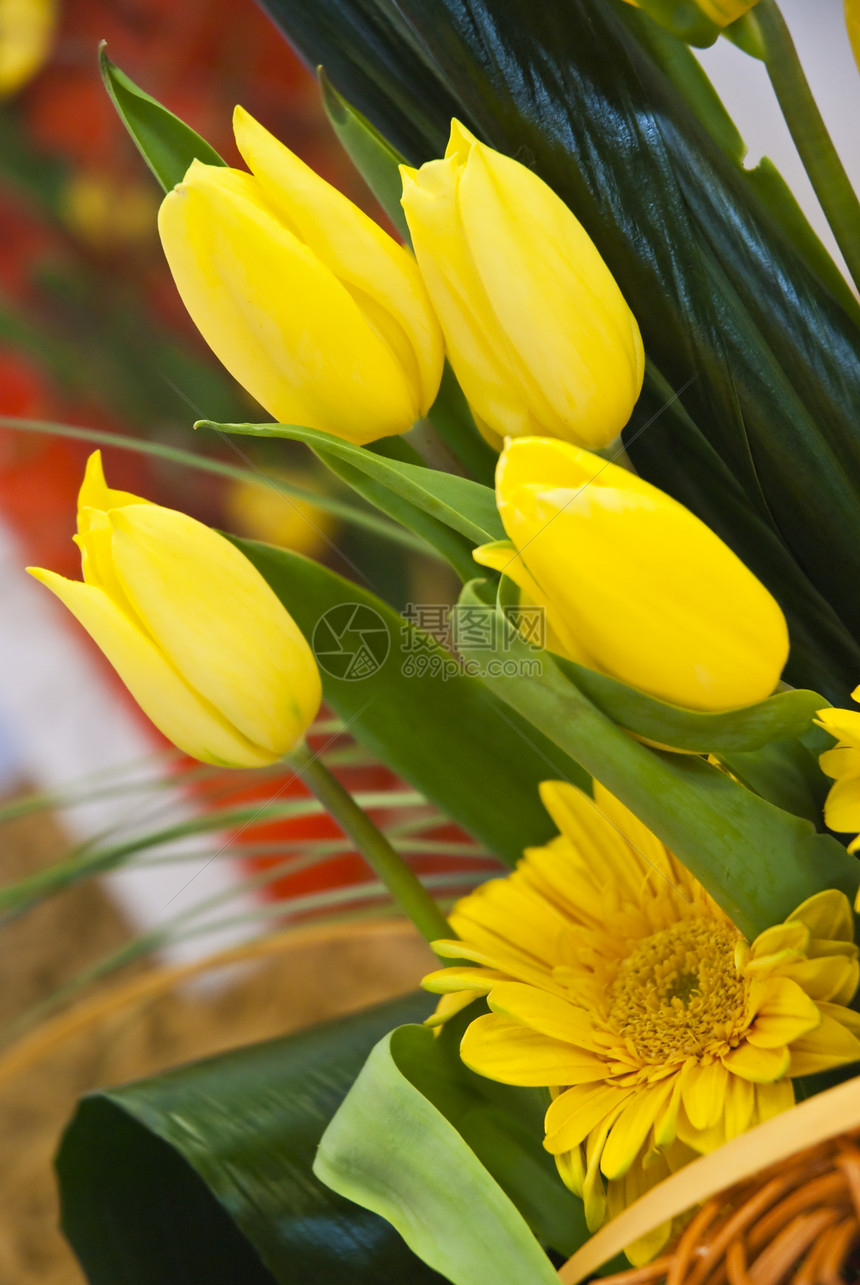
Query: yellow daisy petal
{"points": [[783, 1012], [759, 1065], [513, 1054], [628, 1133], [703, 1091], [577, 1111]]}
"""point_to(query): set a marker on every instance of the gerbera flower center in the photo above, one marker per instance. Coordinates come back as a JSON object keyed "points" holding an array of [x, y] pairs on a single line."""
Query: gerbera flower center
{"points": [[678, 993]]}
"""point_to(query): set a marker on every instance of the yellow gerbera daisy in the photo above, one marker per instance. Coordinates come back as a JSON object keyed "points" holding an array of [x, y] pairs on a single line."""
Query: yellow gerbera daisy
{"points": [[616, 981], [842, 806]]}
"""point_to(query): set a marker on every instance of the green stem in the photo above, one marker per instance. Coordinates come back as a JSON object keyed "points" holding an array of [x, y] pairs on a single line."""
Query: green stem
{"points": [[405, 887], [815, 146]]}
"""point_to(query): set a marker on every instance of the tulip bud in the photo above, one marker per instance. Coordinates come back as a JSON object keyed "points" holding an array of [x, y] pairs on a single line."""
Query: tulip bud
{"points": [[315, 310], [191, 627], [633, 584], [537, 331]]}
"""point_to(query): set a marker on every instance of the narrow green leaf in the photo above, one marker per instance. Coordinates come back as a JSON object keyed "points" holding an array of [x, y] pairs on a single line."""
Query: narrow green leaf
{"points": [[462, 505], [756, 860], [451, 417], [390, 1150], [780, 717], [339, 508], [373, 156], [165, 142], [435, 726], [204, 1173]]}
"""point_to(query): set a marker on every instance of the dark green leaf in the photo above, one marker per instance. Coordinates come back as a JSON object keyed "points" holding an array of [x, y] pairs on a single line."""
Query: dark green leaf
{"points": [[203, 1174], [723, 299], [375, 159], [757, 861], [391, 1150], [435, 726], [166, 144]]}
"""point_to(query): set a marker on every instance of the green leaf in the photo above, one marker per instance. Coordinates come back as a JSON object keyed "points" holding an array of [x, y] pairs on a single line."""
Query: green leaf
{"points": [[375, 159], [503, 1125], [451, 417], [430, 503], [780, 717], [434, 725], [204, 1173], [390, 1150], [166, 144], [728, 308], [756, 860]]}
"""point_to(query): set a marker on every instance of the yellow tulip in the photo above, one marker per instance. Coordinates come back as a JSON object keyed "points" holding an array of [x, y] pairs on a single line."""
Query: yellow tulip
{"points": [[537, 331], [27, 29], [720, 12], [315, 310], [191, 627], [633, 584]]}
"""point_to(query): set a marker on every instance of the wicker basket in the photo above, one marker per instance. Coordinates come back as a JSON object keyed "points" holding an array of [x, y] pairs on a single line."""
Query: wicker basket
{"points": [[779, 1205]]}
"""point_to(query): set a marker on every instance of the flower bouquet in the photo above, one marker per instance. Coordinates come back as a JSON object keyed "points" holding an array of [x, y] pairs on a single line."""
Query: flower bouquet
{"points": [[609, 376]]}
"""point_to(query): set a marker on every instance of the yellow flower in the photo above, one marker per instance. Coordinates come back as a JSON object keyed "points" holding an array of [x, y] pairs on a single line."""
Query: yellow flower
{"points": [[537, 331], [616, 981], [191, 627], [633, 583], [315, 310], [26, 34], [842, 763], [720, 12]]}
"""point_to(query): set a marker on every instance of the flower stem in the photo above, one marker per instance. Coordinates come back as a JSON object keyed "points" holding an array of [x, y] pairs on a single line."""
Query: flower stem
{"points": [[814, 144], [405, 887]]}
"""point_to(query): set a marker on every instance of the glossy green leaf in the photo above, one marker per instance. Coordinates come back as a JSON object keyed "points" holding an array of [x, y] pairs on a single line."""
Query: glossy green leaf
{"points": [[434, 725], [756, 860], [729, 310], [374, 158], [390, 1150], [165, 142], [453, 514], [203, 1174]]}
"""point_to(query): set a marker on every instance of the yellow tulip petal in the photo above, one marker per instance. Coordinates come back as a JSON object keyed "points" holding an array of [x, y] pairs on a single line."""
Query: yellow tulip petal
{"points": [[574, 340], [513, 1054], [218, 622], [644, 584], [179, 712], [478, 352], [271, 314], [95, 492], [366, 259]]}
